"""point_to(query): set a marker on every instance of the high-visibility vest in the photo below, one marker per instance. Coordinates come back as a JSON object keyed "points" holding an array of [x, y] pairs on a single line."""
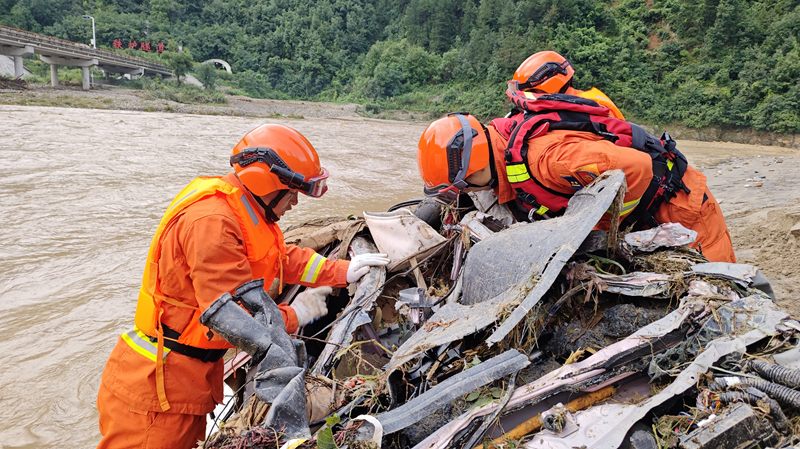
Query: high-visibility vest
{"points": [[265, 249]]}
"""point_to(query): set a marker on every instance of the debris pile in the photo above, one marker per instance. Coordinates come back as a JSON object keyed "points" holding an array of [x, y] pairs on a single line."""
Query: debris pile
{"points": [[485, 332]]}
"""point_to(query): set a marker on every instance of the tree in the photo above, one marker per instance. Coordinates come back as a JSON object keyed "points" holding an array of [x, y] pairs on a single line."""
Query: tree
{"points": [[180, 62], [207, 74]]}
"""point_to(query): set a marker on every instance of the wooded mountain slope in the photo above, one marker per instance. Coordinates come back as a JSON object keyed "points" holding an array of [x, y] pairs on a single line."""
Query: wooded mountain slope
{"points": [[697, 62]]}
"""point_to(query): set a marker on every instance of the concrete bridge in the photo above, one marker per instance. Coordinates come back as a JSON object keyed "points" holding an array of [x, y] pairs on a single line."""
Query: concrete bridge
{"points": [[56, 52]]}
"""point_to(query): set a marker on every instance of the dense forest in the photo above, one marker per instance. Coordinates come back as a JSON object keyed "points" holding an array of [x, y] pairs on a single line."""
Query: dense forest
{"points": [[728, 63]]}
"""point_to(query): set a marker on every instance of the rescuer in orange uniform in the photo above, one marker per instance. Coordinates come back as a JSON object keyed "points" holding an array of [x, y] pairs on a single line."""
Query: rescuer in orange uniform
{"points": [[165, 374], [450, 164], [549, 72]]}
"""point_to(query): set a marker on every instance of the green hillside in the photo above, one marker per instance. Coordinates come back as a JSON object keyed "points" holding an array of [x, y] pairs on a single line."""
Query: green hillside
{"points": [[696, 62]]}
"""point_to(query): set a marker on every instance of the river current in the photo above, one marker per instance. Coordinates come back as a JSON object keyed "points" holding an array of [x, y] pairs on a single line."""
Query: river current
{"points": [[81, 193]]}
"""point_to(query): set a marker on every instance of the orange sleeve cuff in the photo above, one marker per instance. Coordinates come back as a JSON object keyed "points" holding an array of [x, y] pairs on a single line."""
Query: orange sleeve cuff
{"points": [[289, 318], [341, 272]]}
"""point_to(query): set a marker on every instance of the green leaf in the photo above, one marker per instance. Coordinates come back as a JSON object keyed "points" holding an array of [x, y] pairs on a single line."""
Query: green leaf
{"points": [[482, 401], [325, 438], [497, 392], [474, 395]]}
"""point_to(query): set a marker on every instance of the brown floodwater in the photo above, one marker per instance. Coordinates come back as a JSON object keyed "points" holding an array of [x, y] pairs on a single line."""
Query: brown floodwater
{"points": [[81, 192]]}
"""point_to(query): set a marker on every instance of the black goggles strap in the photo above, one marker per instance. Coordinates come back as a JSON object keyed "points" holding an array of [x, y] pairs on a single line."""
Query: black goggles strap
{"points": [[276, 165], [458, 166], [545, 72]]}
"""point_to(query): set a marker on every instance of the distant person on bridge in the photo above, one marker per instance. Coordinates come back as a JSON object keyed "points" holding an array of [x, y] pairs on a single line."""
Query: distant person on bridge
{"points": [[549, 72], [535, 168], [165, 374]]}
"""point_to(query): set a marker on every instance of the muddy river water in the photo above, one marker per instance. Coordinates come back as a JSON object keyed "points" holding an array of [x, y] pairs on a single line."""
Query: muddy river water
{"points": [[81, 192]]}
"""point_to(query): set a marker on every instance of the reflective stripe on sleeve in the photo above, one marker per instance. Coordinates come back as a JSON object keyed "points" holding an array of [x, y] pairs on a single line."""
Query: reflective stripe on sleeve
{"points": [[313, 267], [517, 173], [140, 343]]}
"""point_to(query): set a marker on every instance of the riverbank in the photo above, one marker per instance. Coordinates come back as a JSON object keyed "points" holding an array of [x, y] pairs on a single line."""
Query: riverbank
{"points": [[118, 98]]}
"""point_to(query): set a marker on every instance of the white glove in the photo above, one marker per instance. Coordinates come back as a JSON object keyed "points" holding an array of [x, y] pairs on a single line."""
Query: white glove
{"points": [[360, 264], [310, 304]]}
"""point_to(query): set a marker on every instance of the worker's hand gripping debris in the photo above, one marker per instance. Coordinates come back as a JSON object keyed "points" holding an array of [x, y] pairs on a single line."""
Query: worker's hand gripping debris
{"points": [[310, 304], [361, 264]]}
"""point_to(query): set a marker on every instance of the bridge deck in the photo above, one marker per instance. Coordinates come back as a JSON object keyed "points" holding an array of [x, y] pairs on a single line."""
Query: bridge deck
{"points": [[27, 42]]}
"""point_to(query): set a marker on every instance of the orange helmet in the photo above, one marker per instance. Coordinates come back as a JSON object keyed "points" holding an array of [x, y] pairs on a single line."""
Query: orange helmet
{"points": [[451, 149], [546, 71], [275, 157]]}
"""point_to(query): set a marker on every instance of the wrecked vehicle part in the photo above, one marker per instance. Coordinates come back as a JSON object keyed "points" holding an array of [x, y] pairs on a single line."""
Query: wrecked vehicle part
{"points": [[784, 395], [756, 397], [736, 426], [357, 311], [549, 419], [584, 210], [776, 373], [728, 319], [618, 321], [462, 383], [316, 234], [743, 274], [488, 422], [638, 283], [541, 247], [533, 250], [665, 235], [616, 418], [760, 319], [403, 236], [571, 377], [486, 202]]}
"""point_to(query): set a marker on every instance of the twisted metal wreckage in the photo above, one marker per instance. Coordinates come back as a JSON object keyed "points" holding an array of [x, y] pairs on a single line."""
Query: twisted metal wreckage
{"points": [[485, 332]]}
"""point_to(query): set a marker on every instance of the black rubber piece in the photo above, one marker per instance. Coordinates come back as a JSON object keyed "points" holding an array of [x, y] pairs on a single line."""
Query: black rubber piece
{"points": [[753, 397], [776, 373], [784, 395]]}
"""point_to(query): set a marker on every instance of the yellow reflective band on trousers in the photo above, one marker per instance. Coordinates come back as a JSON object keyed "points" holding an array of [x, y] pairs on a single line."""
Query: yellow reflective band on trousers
{"points": [[517, 173], [141, 343], [626, 207], [313, 267]]}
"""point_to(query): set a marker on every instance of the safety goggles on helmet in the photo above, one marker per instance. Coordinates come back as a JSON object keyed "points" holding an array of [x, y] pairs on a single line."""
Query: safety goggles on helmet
{"points": [[544, 73], [315, 186], [459, 150]]}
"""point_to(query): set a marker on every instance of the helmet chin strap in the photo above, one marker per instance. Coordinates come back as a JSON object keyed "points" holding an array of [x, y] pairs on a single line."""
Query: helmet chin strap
{"points": [[269, 209]]}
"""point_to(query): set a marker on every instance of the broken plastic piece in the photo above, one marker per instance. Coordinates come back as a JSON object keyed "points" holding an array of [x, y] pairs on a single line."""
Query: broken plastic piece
{"points": [[402, 235], [665, 235], [462, 383]]}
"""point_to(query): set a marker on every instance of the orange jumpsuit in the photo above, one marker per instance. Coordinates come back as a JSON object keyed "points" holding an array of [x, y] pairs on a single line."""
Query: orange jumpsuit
{"points": [[203, 256], [566, 161]]}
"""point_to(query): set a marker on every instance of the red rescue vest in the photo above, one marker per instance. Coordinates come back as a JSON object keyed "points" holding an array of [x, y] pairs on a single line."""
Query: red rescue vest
{"points": [[536, 114]]}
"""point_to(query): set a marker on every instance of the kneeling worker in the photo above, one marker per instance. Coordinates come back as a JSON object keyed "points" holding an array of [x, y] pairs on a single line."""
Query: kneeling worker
{"points": [[458, 154], [165, 374], [549, 72]]}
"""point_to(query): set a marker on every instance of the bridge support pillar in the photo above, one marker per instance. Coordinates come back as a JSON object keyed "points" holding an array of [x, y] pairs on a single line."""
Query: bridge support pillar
{"points": [[16, 53], [19, 70], [54, 75], [85, 78], [55, 61]]}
